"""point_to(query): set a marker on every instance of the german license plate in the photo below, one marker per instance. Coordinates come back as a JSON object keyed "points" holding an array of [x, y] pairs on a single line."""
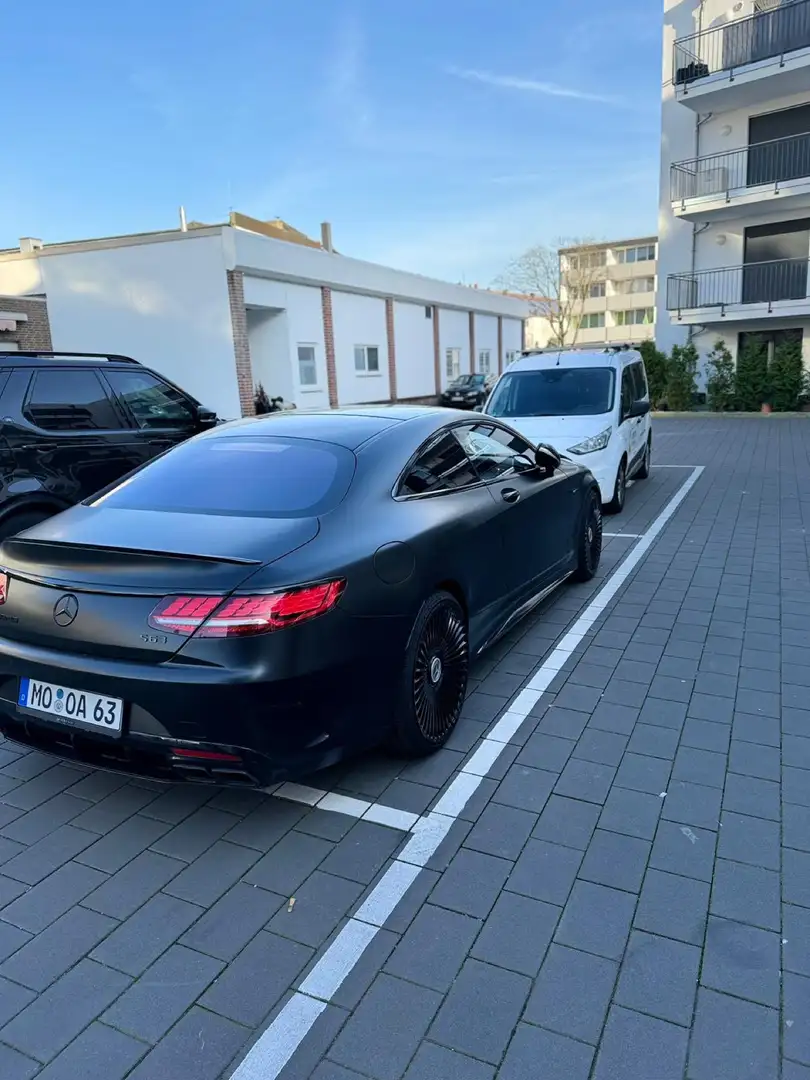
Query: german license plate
{"points": [[75, 708], [456, 397]]}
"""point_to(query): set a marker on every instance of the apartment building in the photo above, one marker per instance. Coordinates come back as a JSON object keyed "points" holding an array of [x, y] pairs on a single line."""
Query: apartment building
{"points": [[614, 287], [734, 222]]}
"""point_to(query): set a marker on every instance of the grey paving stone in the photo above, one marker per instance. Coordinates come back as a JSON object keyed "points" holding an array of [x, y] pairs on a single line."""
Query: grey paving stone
{"points": [[11, 939], [732, 1039], [673, 906], [16, 1066], [593, 675], [55, 1018], [742, 960], [517, 933], [653, 741], [41, 859], [616, 860], [596, 919], [562, 723], [700, 766], [751, 759], [107, 814], [330, 826], [45, 902], [633, 813], [434, 770], [601, 656], [55, 950], [97, 785], [796, 930], [718, 710], [363, 852], [369, 1042], [266, 825], [663, 712], [548, 752], [567, 821], [163, 993], [614, 716], [479, 1014], [289, 863], [670, 689], [796, 827], [577, 697], [641, 773], [677, 667], [432, 1061], [749, 840], [139, 941], [722, 665], [585, 780], [197, 1048], [328, 1070], [501, 830], [471, 883], [255, 981], [795, 878], [434, 947], [99, 1053], [572, 993], [692, 804], [796, 751], [114, 850], [675, 850], [635, 671], [749, 795], [365, 971], [795, 721], [226, 927], [795, 785], [485, 707], [640, 1046], [796, 1004], [40, 788], [212, 874], [659, 977], [13, 999], [705, 735], [188, 840], [545, 871], [125, 891], [603, 747], [525, 788], [561, 1057], [320, 904], [622, 692], [758, 702], [176, 802], [35, 824], [792, 1070]]}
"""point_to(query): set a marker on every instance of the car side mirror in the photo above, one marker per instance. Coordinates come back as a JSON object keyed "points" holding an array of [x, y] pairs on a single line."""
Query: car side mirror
{"points": [[206, 417], [639, 408], [546, 458]]}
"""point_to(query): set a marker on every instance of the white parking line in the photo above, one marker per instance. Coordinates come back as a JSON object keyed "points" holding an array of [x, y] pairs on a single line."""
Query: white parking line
{"points": [[628, 536], [345, 804], [276, 1045]]}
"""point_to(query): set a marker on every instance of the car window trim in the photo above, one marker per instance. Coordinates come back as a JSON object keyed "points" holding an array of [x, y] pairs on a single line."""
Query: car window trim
{"points": [[131, 415], [74, 432]]}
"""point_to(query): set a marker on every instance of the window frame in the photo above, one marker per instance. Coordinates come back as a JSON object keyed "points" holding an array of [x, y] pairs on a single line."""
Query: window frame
{"points": [[625, 414], [125, 408], [592, 315], [456, 351], [639, 374], [480, 369], [305, 387], [126, 420], [366, 371]]}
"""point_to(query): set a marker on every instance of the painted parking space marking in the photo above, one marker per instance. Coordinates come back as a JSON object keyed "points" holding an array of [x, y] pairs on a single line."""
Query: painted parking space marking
{"points": [[345, 804], [277, 1044], [625, 536]]}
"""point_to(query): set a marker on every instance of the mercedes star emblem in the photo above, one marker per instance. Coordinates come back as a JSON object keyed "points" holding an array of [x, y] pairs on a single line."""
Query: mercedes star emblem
{"points": [[65, 610]]}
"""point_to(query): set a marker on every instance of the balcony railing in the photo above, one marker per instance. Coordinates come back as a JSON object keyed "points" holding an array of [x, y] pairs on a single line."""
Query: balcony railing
{"points": [[752, 283], [772, 162], [765, 35]]}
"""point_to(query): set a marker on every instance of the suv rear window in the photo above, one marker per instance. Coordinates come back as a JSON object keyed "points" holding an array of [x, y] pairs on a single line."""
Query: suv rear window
{"points": [[240, 476], [554, 392]]}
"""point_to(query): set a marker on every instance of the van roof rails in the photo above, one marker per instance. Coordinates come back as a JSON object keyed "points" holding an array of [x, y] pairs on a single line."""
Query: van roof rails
{"points": [[47, 354], [623, 347]]}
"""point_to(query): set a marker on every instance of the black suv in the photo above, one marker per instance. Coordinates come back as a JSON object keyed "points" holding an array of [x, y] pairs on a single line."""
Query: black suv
{"points": [[72, 423]]}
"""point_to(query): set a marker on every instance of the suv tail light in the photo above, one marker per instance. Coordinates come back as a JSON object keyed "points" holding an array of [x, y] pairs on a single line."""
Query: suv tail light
{"points": [[3, 586], [241, 616]]}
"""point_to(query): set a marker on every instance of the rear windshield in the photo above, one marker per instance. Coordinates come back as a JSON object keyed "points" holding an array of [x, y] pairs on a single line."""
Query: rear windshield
{"points": [[554, 392], [240, 476]]}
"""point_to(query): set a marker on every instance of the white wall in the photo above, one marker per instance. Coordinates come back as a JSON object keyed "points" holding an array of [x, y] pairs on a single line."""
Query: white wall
{"points": [[486, 337], [512, 333], [359, 320], [166, 304], [413, 333], [538, 333], [454, 333], [269, 337]]}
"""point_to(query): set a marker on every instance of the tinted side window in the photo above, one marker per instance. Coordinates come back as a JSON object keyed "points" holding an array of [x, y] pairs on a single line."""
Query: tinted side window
{"points": [[628, 391], [639, 380], [63, 400], [442, 467], [491, 449], [153, 403]]}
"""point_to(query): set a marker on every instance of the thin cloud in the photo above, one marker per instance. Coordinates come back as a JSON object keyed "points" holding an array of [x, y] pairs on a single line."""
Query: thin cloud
{"points": [[532, 86]]}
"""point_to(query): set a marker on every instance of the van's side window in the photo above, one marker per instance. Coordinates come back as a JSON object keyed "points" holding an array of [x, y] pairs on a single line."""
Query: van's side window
{"points": [[628, 391], [640, 380]]}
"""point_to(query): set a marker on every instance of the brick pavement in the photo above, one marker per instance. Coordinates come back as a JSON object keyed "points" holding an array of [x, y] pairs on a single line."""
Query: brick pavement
{"points": [[575, 923]]}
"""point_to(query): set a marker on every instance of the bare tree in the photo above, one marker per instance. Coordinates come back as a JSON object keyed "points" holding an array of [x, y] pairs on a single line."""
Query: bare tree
{"points": [[557, 281]]}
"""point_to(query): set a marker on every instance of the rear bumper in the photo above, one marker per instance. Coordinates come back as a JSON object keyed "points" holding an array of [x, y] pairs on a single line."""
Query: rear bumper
{"points": [[275, 729]]}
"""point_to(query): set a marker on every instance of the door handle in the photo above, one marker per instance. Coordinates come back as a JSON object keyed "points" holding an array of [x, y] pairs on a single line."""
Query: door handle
{"points": [[510, 495]]}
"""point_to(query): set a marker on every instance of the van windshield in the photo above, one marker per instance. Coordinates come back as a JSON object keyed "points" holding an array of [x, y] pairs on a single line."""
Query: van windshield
{"points": [[554, 392]]}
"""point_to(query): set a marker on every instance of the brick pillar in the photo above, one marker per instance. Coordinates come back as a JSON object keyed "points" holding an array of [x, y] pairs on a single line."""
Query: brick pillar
{"points": [[437, 352], [392, 349], [472, 342], [36, 333], [500, 344], [241, 342], [329, 344]]}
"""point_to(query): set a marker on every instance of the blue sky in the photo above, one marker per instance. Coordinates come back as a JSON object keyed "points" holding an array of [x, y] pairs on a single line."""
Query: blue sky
{"points": [[440, 136]]}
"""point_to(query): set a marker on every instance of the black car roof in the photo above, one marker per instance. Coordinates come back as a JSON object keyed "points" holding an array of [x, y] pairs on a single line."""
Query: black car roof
{"points": [[35, 358], [350, 427]]}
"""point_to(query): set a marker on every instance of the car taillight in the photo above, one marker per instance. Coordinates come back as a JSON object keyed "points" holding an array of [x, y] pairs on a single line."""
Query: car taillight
{"points": [[3, 587], [240, 616]]}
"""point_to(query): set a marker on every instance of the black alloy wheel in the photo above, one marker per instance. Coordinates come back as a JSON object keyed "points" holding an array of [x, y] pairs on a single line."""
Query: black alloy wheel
{"points": [[435, 677], [616, 504], [646, 461], [590, 545]]}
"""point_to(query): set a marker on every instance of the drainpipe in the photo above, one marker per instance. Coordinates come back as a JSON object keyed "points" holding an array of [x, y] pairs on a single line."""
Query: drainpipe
{"points": [[699, 122]]}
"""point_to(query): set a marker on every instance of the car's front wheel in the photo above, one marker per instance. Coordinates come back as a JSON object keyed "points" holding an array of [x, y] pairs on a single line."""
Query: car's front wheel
{"points": [[616, 504], [434, 677], [644, 470], [589, 550]]}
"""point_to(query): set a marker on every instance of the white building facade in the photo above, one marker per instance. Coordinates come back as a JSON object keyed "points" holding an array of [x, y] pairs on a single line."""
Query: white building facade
{"points": [[622, 279], [220, 309], [734, 222]]}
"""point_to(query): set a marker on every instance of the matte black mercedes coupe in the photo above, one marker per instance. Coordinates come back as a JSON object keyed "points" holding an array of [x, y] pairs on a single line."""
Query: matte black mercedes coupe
{"points": [[273, 593]]}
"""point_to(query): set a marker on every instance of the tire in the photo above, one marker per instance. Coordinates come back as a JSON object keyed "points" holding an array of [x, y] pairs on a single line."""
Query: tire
{"points": [[644, 471], [616, 504], [19, 522], [589, 549], [434, 678]]}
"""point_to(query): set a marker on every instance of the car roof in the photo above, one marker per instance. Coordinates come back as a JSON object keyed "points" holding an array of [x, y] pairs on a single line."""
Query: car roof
{"points": [[572, 358], [37, 358]]}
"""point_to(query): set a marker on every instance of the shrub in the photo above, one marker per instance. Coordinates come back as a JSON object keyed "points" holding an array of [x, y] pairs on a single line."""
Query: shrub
{"points": [[656, 364], [261, 402], [786, 377], [682, 377], [720, 381], [751, 382]]}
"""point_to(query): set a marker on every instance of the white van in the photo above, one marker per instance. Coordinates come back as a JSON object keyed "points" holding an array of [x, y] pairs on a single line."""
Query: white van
{"points": [[592, 405]]}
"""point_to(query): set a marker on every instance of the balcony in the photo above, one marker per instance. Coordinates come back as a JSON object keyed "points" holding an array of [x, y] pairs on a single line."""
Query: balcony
{"points": [[771, 175], [755, 290], [745, 61]]}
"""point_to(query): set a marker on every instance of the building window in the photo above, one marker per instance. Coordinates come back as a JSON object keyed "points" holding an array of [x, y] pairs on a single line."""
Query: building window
{"points": [[511, 356], [635, 317], [596, 290], [428, 311], [484, 362], [452, 360], [307, 366], [594, 321], [367, 359], [587, 261], [635, 285], [644, 253]]}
